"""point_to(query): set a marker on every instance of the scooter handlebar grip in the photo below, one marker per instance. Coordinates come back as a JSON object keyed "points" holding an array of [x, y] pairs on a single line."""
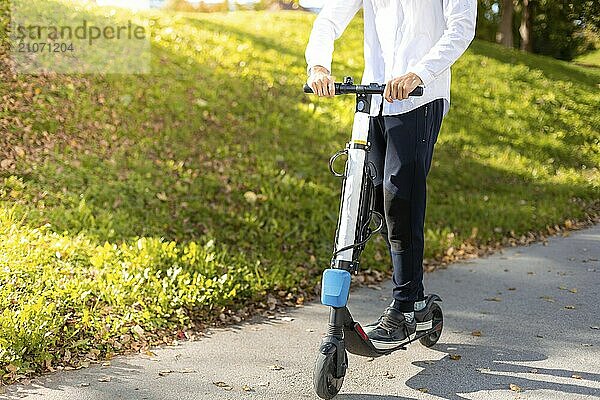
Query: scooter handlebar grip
{"points": [[417, 92], [339, 89]]}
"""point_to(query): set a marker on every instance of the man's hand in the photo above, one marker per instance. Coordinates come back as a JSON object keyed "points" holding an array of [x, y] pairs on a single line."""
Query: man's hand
{"points": [[399, 88], [321, 81]]}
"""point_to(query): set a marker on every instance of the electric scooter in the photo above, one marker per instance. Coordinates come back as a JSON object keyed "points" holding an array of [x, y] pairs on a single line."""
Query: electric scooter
{"points": [[354, 229]]}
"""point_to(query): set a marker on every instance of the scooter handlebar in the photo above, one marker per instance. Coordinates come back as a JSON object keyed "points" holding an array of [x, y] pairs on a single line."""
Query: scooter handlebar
{"points": [[373, 88]]}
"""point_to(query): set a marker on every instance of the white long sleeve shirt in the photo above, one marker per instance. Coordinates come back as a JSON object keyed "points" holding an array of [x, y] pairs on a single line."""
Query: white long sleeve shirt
{"points": [[421, 36]]}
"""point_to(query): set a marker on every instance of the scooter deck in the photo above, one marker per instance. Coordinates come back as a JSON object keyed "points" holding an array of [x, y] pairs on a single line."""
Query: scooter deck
{"points": [[357, 342]]}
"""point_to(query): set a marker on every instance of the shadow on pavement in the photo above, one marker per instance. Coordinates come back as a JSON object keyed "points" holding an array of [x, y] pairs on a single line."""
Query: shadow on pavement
{"points": [[487, 368], [361, 396]]}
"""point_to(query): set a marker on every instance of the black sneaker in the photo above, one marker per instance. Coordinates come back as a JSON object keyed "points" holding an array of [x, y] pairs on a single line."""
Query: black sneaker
{"points": [[424, 318], [392, 330]]}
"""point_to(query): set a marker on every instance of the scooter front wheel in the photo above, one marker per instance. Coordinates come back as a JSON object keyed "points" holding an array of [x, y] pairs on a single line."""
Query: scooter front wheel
{"points": [[326, 384]]}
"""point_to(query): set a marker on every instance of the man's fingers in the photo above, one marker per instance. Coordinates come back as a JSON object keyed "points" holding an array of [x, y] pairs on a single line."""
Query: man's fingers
{"points": [[405, 90], [327, 87], [313, 86], [388, 91], [320, 87], [395, 90]]}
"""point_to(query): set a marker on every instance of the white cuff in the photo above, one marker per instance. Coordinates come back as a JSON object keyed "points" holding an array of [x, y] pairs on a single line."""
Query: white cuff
{"points": [[426, 76]]}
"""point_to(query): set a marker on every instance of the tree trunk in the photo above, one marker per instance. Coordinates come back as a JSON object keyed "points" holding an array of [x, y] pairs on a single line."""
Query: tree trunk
{"points": [[505, 34], [231, 6], [525, 28]]}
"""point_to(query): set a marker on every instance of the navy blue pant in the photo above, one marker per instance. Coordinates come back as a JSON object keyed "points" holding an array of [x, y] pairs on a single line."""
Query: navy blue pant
{"points": [[401, 151]]}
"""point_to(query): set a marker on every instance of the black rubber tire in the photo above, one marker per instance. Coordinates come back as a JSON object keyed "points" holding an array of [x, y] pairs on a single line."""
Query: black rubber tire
{"points": [[433, 337], [326, 385]]}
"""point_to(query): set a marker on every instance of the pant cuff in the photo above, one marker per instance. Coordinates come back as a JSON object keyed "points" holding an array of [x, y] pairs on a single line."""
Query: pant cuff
{"points": [[404, 306]]}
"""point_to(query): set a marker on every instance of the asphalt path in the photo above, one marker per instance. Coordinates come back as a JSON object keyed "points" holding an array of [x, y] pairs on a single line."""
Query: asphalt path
{"points": [[521, 324]]}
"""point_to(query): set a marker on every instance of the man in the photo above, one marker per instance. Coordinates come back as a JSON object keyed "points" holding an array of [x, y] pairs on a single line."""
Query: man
{"points": [[407, 43]]}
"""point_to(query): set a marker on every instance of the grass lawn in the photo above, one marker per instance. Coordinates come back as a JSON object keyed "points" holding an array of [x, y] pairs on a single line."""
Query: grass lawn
{"points": [[132, 204], [591, 59]]}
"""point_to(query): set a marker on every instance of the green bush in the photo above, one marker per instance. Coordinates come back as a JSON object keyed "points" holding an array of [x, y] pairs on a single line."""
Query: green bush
{"points": [[64, 293]]}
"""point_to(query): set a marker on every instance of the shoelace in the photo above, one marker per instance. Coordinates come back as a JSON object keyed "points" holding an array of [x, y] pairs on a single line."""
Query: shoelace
{"points": [[390, 324]]}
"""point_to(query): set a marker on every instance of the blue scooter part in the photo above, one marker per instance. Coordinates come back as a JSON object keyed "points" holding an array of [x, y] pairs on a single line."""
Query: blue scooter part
{"points": [[335, 287]]}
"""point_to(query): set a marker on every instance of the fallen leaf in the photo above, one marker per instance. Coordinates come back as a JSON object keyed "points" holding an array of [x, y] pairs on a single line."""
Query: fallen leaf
{"points": [[250, 197], [247, 388], [493, 299], [104, 379], [573, 290], [275, 367], [423, 390], [515, 388], [162, 196], [223, 385], [6, 163], [455, 357], [575, 376], [138, 330], [476, 333], [201, 102], [19, 151]]}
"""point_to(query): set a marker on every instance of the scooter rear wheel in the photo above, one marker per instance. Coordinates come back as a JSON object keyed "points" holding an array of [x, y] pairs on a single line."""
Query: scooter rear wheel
{"points": [[326, 384], [438, 319]]}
